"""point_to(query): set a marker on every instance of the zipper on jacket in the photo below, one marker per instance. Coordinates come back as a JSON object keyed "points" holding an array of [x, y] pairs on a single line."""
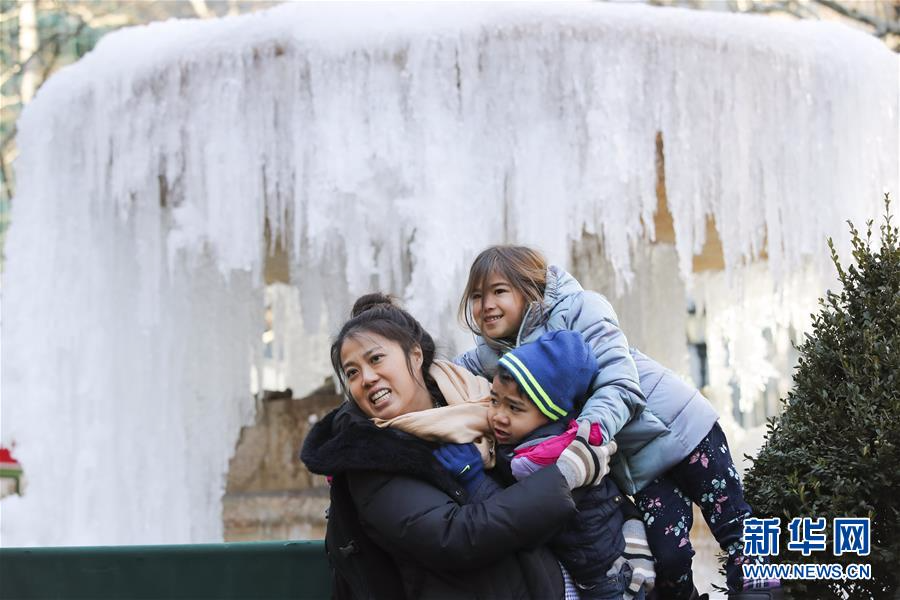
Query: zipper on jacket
{"points": [[554, 293], [522, 326]]}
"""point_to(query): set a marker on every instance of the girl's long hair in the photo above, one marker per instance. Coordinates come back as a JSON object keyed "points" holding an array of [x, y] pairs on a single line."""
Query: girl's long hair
{"points": [[524, 268]]}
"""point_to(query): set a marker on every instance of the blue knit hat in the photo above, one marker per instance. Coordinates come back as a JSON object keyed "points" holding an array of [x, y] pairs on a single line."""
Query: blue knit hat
{"points": [[555, 371]]}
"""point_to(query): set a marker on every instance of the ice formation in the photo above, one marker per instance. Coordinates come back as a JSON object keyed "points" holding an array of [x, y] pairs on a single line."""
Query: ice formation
{"points": [[383, 145]]}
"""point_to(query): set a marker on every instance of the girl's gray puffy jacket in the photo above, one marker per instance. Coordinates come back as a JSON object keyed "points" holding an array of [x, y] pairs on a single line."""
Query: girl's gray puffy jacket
{"points": [[656, 424]]}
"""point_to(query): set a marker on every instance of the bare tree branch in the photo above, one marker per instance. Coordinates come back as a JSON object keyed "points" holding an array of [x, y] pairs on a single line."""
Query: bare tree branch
{"points": [[7, 100], [201, 9], [10, 135], [109, 19], [769, 9], [788, 7], [804, 9], [28, 46], [882, 27], [8, 15], [50, 64], [4, 172], [57, 38]]}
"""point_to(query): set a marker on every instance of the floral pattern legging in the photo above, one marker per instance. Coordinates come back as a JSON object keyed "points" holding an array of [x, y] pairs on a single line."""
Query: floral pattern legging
{"points": [[708, 478]]}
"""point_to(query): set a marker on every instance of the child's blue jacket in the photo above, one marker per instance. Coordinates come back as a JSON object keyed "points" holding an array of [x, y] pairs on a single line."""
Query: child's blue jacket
{"points": [[666, 418]]}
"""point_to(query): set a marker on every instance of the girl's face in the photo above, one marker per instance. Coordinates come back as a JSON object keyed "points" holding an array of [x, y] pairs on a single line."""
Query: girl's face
{"points": [[498, 308], [378, 377]]}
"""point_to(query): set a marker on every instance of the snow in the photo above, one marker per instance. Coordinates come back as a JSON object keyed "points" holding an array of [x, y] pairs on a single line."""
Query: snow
{"points": [[385, 145]]}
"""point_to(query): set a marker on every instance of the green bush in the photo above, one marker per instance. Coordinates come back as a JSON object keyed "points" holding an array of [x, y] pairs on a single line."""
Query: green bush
{"points": [[835, 449]]}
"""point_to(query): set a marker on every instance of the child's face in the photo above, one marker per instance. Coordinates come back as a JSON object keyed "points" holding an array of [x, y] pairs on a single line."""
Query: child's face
{"points": [[497, 309], [511, 415]]}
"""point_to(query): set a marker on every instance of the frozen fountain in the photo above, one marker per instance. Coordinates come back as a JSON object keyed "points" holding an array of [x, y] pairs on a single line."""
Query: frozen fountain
{"points": [[382, 146]]}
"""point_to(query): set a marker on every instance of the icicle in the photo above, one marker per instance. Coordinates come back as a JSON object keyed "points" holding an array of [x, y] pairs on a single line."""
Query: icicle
{"points": [[384, 146]]}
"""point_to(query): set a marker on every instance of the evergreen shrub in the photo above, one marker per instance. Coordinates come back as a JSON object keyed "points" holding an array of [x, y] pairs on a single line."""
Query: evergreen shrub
{"points": [[835, 449]]}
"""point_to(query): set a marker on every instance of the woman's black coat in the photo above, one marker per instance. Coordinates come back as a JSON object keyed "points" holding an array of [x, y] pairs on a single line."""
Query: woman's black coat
{"points": [[489, 547]]}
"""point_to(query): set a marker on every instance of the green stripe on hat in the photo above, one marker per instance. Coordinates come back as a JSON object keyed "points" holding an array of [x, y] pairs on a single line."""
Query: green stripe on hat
{"points": [[512, 357], [544, 403], [514, 371]]}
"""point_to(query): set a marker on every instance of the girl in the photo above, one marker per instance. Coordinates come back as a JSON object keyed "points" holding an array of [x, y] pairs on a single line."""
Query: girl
{"points": [[672, 452]]}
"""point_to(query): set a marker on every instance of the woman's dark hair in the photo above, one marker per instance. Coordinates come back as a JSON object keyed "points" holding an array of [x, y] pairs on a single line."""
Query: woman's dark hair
{"points": [[379, 314]]}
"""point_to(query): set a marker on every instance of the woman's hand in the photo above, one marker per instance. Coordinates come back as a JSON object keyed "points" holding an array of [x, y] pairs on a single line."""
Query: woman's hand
{"points": [[582, 463], [463, 461]]}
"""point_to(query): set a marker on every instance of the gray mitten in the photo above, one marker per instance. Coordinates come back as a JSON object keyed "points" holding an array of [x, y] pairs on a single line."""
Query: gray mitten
{"points": [[637, 555], [583, 464]]}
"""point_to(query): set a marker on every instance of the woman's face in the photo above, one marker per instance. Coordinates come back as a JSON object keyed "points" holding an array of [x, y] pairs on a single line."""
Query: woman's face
{"points": [[378, 376], [498, 308]]}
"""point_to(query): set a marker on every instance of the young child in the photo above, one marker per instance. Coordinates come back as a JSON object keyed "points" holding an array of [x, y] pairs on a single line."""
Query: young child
{"points": [[533, 395], [672, 452]]}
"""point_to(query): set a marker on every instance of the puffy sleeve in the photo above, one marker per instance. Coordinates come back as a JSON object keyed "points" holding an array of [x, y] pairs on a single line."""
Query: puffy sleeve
{"points": [[412, 517], [615, 393], [469, 360]]}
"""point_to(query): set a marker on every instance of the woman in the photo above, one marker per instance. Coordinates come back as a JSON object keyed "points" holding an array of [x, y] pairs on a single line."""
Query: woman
{"points": [[442, 542]]}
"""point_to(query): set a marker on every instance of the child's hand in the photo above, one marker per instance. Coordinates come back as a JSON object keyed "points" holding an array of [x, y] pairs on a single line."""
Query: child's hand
{"points": [[636, 555], [463, 461], [583, 463]]}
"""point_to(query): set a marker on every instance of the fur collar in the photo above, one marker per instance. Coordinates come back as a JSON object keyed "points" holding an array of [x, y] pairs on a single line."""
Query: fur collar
{"points": [[345, 440]]}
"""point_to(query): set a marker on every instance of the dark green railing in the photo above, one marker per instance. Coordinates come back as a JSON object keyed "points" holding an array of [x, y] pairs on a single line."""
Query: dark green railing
{"points": [[14, 473], [258, 570]]}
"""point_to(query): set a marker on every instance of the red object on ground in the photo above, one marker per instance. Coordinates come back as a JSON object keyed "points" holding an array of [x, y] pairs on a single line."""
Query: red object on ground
{"points": [[7, 457]]}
